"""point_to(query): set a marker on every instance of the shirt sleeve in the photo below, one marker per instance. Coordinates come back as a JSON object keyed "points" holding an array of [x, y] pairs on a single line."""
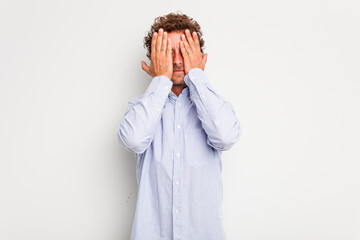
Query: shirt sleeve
{"points": [[136, 131], [217, 115]]}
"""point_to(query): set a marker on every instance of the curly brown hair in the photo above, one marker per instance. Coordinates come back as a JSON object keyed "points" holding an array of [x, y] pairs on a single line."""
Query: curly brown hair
{"points": [[173, 22]]}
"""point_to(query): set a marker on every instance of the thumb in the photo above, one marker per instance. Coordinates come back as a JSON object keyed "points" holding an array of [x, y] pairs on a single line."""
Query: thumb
{"points": [[145, 67], [204, 59]]}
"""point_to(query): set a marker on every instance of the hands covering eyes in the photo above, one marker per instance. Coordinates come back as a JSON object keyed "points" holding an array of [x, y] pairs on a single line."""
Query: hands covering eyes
{"points": [[161, 57]]}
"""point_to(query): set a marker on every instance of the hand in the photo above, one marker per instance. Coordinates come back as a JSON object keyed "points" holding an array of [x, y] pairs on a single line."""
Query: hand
{"points": [[161, 59], [191, 51]]}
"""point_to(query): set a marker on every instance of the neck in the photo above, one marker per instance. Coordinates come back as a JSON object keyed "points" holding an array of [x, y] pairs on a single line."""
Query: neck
{"points": [[177, 89]]}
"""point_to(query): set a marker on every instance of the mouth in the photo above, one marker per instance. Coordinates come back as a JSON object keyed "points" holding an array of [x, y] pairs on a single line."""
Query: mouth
{"points": [[178, 71]]}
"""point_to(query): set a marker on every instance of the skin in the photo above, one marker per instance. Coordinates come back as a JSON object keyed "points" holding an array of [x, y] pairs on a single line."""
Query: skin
{"points": [[177, 50]]}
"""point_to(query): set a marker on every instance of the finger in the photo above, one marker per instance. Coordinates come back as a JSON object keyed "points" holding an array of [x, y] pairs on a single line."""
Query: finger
{"points": [[168, 48], [204, 59], [159, 40], [164, 43], [145, 67], [196, 40], [183, 50], [153, 44], [187, 47], [190, 39]]}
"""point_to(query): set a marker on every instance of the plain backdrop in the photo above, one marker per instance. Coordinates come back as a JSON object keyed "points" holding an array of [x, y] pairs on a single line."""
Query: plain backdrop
{"points": [[289, 68]]}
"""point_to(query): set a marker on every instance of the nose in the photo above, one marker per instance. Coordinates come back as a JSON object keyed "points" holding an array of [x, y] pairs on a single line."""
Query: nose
{"points": [[177, 58]]}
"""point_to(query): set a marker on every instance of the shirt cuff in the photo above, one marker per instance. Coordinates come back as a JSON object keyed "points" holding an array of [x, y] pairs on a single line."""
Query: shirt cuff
{"points": [[160, 84], [195, 74]]}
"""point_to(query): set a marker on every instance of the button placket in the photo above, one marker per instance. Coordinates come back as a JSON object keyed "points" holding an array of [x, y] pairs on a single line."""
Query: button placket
{"points": [[177, 171]]}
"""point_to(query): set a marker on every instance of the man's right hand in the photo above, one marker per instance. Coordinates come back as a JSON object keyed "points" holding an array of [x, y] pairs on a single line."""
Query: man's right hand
{"points": [[161, 59]]}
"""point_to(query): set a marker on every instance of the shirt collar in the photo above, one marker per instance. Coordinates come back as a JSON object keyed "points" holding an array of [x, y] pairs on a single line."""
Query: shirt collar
{"points": [[184, 94]]}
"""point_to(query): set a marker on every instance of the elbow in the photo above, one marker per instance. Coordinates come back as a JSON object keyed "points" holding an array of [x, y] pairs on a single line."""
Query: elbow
{"points": [[222, 144], [224, 141], [131, 140], [230, 141]]}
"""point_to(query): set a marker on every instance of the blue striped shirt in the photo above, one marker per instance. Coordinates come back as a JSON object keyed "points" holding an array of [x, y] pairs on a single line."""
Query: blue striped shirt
{"points": [[178, 141]]}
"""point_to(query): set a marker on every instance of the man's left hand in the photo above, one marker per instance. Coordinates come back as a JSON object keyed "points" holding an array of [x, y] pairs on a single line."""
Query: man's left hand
{"points": [[191, 51]]}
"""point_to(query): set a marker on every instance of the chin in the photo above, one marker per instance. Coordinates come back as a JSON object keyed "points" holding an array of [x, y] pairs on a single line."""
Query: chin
{"points": [[177, 79], [179, 84]]}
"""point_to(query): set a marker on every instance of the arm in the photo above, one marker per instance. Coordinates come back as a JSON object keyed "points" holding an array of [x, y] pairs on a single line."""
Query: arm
{"points": [[215, 113], [136, 131], [138, 127]]}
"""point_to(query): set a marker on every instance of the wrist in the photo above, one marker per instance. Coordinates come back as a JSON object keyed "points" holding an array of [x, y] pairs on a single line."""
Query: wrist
{"points": [[164, 75], [194, 68]]}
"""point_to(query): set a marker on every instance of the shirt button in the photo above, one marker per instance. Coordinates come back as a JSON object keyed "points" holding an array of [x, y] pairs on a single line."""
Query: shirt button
{"points": [[178, 154], [178, 126], [177, 183], [177, 210]]}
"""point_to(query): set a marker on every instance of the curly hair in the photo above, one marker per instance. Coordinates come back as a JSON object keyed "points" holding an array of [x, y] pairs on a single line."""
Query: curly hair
{"points": [[173, 22]]}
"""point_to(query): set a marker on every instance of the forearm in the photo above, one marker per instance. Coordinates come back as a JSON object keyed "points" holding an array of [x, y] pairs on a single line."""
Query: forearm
{"points": [[137, 129], [217, 115]]}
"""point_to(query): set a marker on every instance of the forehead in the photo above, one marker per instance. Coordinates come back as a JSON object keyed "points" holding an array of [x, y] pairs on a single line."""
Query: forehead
{"points": [[175, 37]]}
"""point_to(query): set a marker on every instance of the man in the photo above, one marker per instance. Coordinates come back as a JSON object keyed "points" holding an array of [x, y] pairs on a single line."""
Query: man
{"points": [[178, 129]]}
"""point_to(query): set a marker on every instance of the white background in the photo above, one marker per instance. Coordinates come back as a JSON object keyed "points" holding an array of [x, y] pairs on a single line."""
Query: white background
{"points": [[290, 69]]}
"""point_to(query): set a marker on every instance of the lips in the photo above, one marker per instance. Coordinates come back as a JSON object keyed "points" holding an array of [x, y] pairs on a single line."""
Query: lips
{"points": [[178, 70]]}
